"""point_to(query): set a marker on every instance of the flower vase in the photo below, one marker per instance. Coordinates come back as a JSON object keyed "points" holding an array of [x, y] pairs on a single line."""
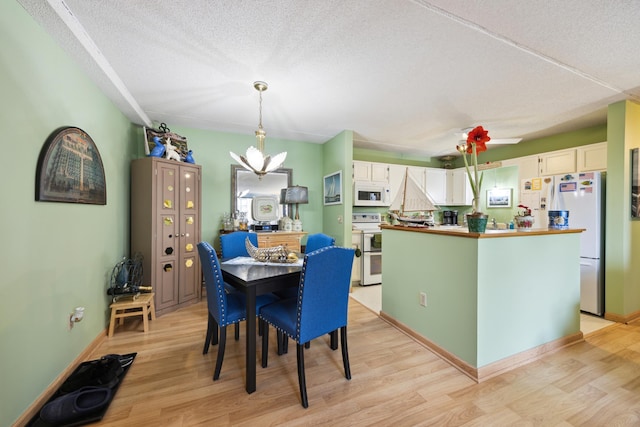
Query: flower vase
{"points": [[477, 222], [524, 221]]}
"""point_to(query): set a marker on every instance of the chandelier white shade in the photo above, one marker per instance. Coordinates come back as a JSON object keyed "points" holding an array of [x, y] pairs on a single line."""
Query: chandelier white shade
{"points": [[255, 160]]}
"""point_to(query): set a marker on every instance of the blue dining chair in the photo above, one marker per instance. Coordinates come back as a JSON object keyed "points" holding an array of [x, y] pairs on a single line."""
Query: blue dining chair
{"points": [[233, 244], [314, 242], [317, 241], [321, 307], [224, 308]]}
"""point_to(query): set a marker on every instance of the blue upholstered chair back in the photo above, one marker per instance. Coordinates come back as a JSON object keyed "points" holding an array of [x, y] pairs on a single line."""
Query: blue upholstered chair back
{"points": [[323, 296], [317, 241], [216, 294], [232, 244]]}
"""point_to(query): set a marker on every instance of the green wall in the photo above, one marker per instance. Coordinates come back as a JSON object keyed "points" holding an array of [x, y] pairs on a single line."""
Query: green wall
{"points": [[622, 246], [54, 256], [338, 154], [369, 155]]}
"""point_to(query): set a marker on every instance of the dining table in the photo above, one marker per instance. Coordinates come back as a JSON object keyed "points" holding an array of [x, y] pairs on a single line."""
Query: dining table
{"points": [[254, 278]]}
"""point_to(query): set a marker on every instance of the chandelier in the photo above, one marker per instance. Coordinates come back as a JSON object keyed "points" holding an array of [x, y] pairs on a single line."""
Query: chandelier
{"points": [[255, 160]]}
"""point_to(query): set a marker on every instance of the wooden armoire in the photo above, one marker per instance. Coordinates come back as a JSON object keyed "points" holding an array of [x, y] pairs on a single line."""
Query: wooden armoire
{"points": [[165, 229]]}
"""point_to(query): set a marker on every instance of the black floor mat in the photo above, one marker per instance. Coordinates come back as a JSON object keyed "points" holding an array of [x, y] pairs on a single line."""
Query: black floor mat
{"points": [[94, 417]]}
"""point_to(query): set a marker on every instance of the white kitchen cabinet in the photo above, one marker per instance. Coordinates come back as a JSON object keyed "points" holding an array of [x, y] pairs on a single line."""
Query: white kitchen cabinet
{"points": [[361, 171], [396, 173], [592, 157], [558, 162], [436, 185], [379, 172], [419, 175], [370, 171], [459, 191], [528, 167]]}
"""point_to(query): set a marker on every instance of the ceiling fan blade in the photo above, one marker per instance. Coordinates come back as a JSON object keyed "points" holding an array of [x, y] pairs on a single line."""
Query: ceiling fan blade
{"points": [[504, 140]]}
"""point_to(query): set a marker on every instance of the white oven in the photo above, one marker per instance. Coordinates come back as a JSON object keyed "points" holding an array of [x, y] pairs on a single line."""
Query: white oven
{"points": [[371, 264]]}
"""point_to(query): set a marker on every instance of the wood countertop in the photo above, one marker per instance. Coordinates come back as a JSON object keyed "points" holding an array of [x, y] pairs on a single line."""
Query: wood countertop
{"points": [[461, 231]]}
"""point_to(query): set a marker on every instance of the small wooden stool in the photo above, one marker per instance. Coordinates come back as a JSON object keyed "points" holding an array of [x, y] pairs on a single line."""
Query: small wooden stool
{"points": [[144, 302]]}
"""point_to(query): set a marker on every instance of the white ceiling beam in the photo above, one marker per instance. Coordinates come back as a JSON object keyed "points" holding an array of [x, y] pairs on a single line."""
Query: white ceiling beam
{"points": [[78, 31]]}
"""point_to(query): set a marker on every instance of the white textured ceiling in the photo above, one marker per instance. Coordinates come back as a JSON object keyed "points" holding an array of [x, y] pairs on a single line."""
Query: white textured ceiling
{"points": [[403, 75]]}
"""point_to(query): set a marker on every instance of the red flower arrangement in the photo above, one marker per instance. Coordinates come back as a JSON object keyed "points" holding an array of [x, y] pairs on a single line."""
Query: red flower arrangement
{"points": [[476, 143], [478, 137]]}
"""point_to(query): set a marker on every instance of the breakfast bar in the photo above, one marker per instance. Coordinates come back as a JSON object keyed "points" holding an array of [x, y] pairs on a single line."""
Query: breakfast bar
{"points": [[485, 302]]}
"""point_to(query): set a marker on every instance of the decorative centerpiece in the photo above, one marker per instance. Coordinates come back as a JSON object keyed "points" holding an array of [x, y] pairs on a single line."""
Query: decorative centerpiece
{"points": [[476, 143], [524, 219], [278, 254], [412, 199]]}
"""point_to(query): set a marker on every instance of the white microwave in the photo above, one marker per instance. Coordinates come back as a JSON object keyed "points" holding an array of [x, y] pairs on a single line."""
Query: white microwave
{"points": [[370, 194]]}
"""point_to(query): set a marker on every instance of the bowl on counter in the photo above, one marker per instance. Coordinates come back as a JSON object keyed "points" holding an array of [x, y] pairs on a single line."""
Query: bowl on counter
{"points": [[525, 221]]}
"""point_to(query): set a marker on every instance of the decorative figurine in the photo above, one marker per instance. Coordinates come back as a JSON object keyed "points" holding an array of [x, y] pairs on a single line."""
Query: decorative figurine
{"points": [[189, 157], [171, 153], [159, 149]]}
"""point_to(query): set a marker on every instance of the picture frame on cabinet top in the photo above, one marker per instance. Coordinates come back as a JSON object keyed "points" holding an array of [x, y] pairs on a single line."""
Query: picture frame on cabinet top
{"points": [[70, 169], [178, 141]]}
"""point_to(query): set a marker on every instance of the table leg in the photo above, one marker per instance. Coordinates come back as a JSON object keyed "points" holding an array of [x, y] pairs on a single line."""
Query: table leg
{"points": [[251, 339]]}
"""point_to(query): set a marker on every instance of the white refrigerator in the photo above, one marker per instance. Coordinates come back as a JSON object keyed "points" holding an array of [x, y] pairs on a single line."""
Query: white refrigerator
{"points": [[582, 194]]}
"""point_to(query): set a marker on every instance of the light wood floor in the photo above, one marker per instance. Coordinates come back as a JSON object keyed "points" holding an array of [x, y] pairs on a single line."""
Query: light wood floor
{"points": [[395, 381]]}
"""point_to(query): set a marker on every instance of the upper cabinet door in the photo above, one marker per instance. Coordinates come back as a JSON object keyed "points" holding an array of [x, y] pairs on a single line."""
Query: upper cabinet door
{"points": [[396, 174], [371, 172], [528, 167], [460, 193], [558, 162], [380, 172], [436, 185], [592, 157], [418, 174], [361, 171]]}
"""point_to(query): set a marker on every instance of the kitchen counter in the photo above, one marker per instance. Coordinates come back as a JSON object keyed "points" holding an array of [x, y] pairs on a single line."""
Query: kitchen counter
{"points": [[462, 231], [493, 300]]}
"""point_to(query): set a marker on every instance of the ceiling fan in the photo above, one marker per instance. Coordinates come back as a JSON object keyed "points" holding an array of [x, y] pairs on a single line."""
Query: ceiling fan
{"points": [[463, 133]]}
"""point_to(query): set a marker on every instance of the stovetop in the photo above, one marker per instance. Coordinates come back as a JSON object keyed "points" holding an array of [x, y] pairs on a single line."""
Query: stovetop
{"points": [[366, 221]]}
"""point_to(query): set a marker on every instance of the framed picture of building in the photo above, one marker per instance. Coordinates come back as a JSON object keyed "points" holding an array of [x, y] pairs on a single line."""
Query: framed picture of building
{"points": [[70, 169]]}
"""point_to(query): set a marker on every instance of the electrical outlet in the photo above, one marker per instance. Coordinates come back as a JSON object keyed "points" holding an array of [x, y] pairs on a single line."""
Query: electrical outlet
{"points": [[423, 299]]}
